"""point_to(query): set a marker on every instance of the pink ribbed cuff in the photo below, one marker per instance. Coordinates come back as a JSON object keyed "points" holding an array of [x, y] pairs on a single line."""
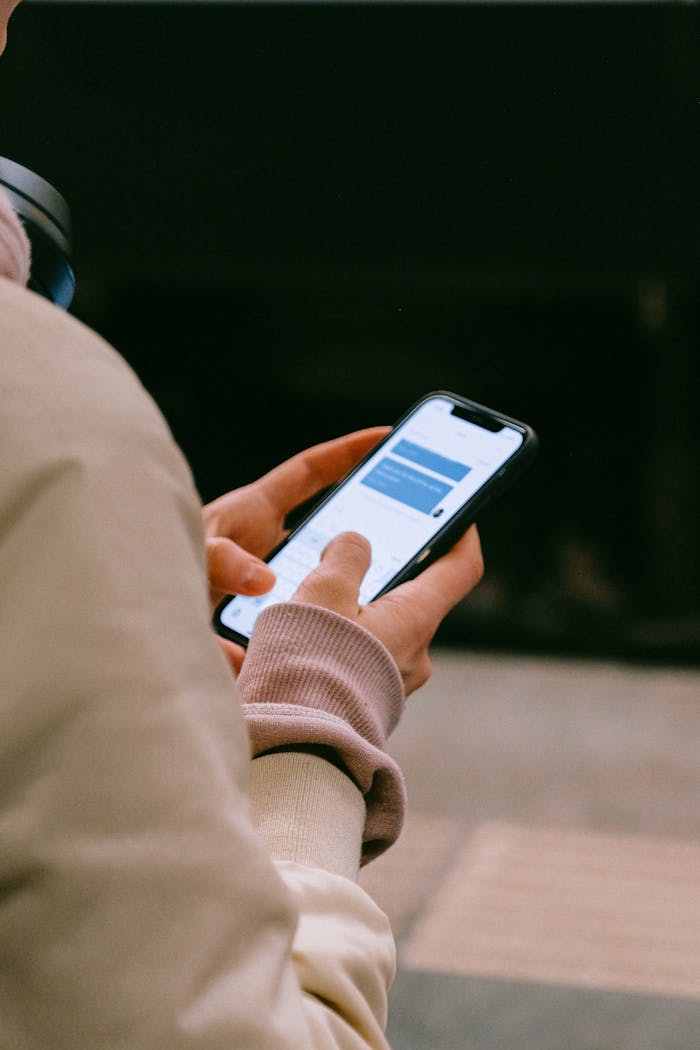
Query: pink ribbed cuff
{"points": [[313, 677], [14, 244]]}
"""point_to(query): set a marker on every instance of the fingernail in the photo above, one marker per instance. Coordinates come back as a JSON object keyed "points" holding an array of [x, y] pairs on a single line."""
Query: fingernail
{"points": [[257, 573]]}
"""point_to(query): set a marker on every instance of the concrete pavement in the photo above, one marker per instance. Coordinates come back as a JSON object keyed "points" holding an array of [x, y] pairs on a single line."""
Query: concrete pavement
{"points": [[546, 889]]}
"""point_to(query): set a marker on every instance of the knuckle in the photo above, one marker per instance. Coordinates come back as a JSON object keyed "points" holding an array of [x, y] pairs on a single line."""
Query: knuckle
{"points": [[215, 553], [477, 556], [324, 586], [422, 626], [418, 673], [322, 580], [425, 669]]}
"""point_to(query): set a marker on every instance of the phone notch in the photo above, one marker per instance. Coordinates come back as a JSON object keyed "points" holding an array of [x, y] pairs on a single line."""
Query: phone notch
{"points": [[479, 420]]}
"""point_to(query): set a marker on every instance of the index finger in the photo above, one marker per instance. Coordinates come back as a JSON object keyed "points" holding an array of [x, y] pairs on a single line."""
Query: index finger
{"points": [[307, 473], [447, 581]]}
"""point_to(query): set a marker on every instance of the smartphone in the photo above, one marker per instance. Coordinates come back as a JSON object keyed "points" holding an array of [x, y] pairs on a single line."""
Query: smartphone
{"points": [[412, 497]]}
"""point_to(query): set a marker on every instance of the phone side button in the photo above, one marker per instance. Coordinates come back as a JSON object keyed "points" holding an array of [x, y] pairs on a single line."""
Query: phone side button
{"points": [[423, 555]]}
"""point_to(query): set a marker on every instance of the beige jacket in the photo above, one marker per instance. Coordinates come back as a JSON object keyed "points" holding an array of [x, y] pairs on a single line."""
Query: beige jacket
{"points": [[140, 908]]}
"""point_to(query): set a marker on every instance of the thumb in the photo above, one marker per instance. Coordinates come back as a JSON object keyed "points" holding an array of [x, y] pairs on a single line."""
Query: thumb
{"points": [[335, 583], [231, 570]]}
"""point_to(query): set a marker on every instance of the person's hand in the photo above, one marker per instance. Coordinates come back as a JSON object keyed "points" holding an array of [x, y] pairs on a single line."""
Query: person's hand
{"points": [[246, 524], [405, 619]]}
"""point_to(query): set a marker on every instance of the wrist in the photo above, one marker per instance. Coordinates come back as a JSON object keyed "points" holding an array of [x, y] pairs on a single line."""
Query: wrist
{"points": [[328, 754]]}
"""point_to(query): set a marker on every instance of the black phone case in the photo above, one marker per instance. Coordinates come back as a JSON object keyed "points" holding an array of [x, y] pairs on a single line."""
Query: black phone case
{"points": [[509, 473]]}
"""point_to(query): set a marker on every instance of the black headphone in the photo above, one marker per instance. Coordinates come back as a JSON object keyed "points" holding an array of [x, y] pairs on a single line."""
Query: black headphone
{"points": [[46, 218]]}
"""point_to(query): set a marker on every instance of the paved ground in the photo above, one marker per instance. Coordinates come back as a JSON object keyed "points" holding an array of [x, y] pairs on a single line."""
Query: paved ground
{"points": [[546, 890]]}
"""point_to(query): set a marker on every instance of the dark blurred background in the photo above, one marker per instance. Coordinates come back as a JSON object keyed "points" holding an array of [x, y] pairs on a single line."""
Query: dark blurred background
{"points": [[295, 220]]}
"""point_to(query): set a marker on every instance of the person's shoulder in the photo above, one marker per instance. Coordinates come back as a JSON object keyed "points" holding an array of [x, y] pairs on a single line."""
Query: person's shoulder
{"points": [[67, 392], [53, 366], [27, 316], [38, 336]]}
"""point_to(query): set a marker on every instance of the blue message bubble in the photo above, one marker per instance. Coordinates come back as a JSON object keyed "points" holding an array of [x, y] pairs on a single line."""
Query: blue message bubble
{"points": [[409, 486], [450, 468]]}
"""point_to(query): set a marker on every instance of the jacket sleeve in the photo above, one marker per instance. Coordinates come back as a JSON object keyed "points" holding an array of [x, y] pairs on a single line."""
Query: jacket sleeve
{"points": [[140, 907]]}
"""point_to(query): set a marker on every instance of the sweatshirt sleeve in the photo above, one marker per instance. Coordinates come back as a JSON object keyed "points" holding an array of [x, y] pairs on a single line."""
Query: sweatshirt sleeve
{"points": [[139, 906], [312, 676], [314, 836]]}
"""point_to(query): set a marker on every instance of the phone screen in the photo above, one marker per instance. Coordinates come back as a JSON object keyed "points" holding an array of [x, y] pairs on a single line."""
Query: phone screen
{"points": [[400, 498]]}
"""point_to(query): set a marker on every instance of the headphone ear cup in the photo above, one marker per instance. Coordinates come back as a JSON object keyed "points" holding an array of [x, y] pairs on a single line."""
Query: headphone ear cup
{"points": [[15, 250], [46, 219]]}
